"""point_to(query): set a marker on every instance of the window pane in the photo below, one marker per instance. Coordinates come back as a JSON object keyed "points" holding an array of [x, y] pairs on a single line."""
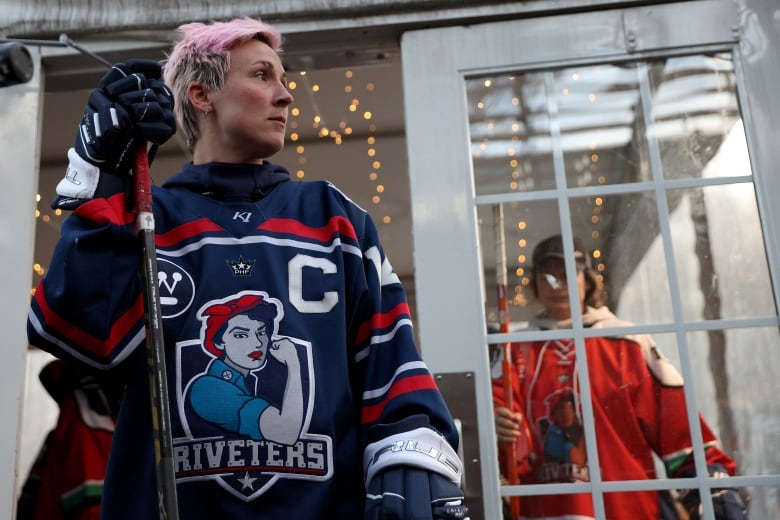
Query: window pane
{"points": [[510, 136], [737, 381], [524, 225], [737, 378], [762, 501], [551, 446], [621, 233], [719, 253], [695, 110], [520, 123], [600, 134], [644, 435], [668, 503]]}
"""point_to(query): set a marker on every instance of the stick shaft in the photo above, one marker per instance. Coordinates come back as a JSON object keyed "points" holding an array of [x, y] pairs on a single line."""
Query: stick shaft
{"points": [[510, 453], [155, 345]]}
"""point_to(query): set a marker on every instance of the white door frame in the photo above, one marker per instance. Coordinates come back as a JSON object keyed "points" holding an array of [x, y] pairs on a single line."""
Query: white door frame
{"points": [[448, 270]]}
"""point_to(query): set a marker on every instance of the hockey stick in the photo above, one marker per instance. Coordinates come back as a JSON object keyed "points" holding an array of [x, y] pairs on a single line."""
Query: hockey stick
{"points": [[155, 346], [510, 454]]}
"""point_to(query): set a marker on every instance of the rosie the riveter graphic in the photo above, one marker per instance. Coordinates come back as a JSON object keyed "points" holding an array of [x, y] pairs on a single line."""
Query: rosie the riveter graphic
{"points": [[250, 395]]}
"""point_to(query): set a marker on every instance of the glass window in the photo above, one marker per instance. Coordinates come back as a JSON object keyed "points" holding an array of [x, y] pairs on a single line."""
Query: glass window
{"points": [[645, 165], [737, 384], [695, 110], [719, 253]]}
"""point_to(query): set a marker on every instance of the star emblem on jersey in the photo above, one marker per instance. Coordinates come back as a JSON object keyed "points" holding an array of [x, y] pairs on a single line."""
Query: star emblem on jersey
{"points": [[247, 481], [241, 267]]}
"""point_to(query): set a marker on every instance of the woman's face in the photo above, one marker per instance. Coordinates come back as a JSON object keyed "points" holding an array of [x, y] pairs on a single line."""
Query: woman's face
{"points": [[250, 111], [563, 413], [245, 342], [552, 292]]}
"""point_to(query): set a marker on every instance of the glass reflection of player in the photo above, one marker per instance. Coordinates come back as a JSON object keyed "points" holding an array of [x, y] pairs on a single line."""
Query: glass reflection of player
{"points": [[240, 334], [564, 440]]}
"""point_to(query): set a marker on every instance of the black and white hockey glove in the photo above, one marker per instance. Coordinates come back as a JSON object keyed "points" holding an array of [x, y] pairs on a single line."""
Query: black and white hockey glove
{"points": [[726, 502], [412, 472], [130, 107]]}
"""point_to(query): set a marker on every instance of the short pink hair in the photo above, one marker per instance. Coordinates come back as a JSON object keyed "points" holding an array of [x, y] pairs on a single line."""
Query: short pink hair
{"points": [[202, 55]]}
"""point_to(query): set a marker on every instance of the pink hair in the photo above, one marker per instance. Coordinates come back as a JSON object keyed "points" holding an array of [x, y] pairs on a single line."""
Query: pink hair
{"points": [[202, 54], [219, 37]]}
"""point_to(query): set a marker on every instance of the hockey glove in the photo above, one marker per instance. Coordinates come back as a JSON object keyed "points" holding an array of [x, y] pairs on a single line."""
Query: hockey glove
{"points": [[412, 473], [726, 502], [129, 107]]}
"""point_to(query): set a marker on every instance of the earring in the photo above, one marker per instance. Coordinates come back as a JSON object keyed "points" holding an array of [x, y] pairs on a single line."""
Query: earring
{"points": [[206, 112]]}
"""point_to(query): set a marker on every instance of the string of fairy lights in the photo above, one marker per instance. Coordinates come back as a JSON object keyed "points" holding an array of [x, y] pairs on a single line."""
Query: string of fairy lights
{"points": [[306, 86], [355, 109], [491, 111], [47, 217]]}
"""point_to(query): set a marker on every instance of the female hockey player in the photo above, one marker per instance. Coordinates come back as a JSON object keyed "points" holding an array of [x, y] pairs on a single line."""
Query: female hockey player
{"points": [[351, 387], [638, 407]]}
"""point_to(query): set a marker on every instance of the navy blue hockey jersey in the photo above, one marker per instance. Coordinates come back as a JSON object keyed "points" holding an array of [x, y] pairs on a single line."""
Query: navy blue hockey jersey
{"points": [[287, 335]]}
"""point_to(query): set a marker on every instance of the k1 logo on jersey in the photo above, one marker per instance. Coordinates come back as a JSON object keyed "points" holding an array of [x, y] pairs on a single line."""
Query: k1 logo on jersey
{"points": [[177, 289], [245, 397]]}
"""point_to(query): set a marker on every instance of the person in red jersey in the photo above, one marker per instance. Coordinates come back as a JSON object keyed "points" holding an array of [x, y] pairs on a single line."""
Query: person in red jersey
{"points": [[66, 479], [638, 406]]}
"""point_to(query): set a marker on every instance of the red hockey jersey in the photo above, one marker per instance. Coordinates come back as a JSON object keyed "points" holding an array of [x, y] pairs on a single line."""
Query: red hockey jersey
{"points": [[66, 480], [638, 408]]}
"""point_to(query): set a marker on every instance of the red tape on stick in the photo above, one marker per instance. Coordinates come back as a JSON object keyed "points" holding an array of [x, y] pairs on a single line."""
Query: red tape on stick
{"points": [[510, 453]]}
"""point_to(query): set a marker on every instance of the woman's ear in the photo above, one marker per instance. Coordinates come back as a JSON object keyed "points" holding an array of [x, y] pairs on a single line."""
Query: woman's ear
{"points": [[199, 98]]}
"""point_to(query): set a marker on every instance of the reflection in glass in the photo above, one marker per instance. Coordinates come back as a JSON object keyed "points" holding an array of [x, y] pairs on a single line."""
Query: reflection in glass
{"points": [[597, 115], [719, 253], [669, 500], [639, 156], [639, 412], [591, 119], [621, 232], [694, 105], [522, 225], [510, 138], [514, 136], [737, 381]]}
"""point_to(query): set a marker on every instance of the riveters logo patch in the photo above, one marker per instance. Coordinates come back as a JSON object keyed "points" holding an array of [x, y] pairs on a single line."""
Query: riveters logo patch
{"points": [[245, 397]]}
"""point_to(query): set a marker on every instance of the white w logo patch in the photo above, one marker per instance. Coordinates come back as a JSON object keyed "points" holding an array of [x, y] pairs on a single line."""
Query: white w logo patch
{"points": [[177, 289]]}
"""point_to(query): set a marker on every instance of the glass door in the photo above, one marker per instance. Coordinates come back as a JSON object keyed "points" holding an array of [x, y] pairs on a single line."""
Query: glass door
{"points": [[631, 136]]}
